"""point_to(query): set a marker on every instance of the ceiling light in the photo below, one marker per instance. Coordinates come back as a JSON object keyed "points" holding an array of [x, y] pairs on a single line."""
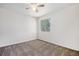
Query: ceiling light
{"points": [[35, 6]]}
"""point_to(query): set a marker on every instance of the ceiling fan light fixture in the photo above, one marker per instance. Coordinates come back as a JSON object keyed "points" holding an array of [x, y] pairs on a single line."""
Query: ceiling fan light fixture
{"points": [[35, 6]]}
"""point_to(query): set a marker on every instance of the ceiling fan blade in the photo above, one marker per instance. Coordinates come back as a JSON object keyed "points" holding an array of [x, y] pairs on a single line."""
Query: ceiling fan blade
{"points": [[41, 5], [27, 8]]}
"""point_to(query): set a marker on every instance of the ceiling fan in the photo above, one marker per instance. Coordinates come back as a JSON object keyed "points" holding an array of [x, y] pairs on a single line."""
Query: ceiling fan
{"points": [[35, 6]]}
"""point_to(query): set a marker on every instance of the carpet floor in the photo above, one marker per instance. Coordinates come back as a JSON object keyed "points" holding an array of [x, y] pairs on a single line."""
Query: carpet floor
{"points": [[36, 48]]}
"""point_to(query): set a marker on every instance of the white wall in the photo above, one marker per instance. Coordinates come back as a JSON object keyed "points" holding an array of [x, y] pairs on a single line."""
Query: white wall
{"points": [[64, 27], [15, 27]]}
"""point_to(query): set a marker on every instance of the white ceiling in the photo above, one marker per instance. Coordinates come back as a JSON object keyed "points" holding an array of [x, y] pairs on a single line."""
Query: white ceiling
{"points": [[49, 7]]}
